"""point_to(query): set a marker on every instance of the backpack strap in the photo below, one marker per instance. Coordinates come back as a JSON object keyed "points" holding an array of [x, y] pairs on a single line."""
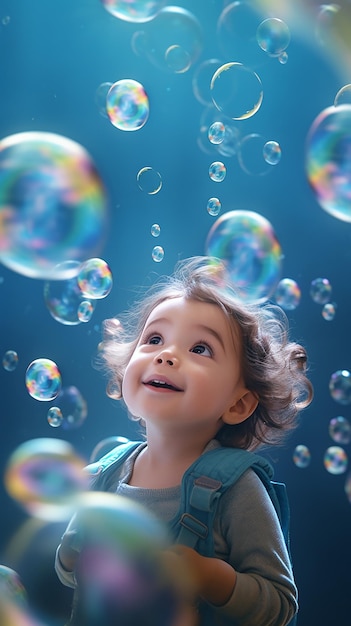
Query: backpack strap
{"points": [[203, 484], [101, 470]]}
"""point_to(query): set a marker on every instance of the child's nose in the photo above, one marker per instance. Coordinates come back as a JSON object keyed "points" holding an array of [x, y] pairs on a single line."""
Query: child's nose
{"points": [[166, 357]]}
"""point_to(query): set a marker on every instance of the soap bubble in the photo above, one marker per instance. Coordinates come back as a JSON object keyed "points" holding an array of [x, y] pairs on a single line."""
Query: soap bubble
{"points": [[272, 152], [273, 36], [133, 10], [52, 204], [63, 298], [343, 96], [231, 141], [101, 96], [149, 180], [236, 31], [288, 294], [54, 416], [328, 311], [43, 379], [157, 254], [302, 456], [245, 241], [202, 80], [127, 105], [11, 587], [173, 40], [10, 360], [251, 155], [340, 429], [328, 160], [326, 28], [335, 460], [72, 406], [213, 206], [94, 279], [216, 132], [217, 171], [320, 290], [85, 311], [236, 91], [340, 386], [348, 487], [155, 230], [44, 476]]}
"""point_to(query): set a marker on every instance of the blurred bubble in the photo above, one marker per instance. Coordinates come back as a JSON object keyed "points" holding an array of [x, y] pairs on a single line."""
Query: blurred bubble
{"points": [[283, 58], [217, 171], [288, 294], [320, 290], [73, 407], [6, 20], [328, 311], [44, 476], [302, 456], [101, 96], [10, 360], [251, 155], [133, 10], [273, 36], [236, 31], [328, 160], [231, 141], [106, 445], [272, 152], [155, 230], [149, 180], [245, 241], [202, 80], [213, 206], [343, 96], [340, 386], [348, 487], [335, 460], [158, 254], [11, 587], [326, 23], [52, 204], [340, 429], [236, 91], [85, 311], [94, 279], [216, 132], [54, 417], [43, 379], [177, 59], [127, 105], [63, 297], [173, 40]]}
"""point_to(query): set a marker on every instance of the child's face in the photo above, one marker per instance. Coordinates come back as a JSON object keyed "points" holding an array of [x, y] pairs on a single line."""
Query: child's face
{"points": [[185, 371]]}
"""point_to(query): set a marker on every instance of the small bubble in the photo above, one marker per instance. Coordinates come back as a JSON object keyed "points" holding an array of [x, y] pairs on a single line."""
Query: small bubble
{"points": [[158, 254], [217, 171], [302, 456], [155, 230], [335, 460], [213, 206], [10, 360]]}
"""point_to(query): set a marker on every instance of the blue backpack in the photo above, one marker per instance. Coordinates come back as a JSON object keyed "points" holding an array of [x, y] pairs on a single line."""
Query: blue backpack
{"points": [[203, 484]]}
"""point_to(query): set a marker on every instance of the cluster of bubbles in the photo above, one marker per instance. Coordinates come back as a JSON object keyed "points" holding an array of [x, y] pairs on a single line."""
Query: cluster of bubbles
{"points": [[247, 244], [53, 204], [72, 301]]}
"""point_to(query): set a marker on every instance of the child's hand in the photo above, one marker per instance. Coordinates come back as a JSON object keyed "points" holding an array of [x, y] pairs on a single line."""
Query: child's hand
{"points": [[213, 579], [69, 550]]}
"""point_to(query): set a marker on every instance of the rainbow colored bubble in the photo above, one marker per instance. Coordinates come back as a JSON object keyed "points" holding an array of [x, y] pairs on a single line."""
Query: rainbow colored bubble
{"points": [[43, 379], [95, 279], [133, 10], [53, 205], [127, 105], [247, 244]]}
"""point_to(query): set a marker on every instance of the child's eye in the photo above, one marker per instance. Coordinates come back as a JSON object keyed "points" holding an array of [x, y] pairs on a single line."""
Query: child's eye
{"points": [[154, 339], [202, 348]]}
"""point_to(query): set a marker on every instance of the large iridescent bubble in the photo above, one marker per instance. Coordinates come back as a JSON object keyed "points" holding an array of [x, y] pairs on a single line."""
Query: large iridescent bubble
{"points": [[44, 476], [133, 10], [246, 242], [127, 105], [328, 160], [43, 379], [52, 204], [236, 90]]}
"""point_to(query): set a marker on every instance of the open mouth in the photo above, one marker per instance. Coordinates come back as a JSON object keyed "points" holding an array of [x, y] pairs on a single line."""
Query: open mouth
{"points": [[161, 384]]}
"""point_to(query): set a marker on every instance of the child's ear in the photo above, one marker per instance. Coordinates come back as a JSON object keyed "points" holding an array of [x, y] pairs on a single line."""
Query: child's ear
{"points": [[241, 409]]}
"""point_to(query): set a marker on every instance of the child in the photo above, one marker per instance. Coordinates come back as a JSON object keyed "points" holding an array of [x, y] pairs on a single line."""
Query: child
{"points": [[201, 369]]}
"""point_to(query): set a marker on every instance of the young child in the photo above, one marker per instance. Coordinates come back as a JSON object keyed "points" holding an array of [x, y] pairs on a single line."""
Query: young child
{"points": [[201, 369]]}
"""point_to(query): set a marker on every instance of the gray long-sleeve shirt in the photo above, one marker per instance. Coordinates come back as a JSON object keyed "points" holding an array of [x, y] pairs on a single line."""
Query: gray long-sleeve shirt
{"points": [[247, 535]]}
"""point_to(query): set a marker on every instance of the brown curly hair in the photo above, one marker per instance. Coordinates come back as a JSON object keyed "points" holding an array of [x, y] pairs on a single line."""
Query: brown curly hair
{"points": [[273, 367]]}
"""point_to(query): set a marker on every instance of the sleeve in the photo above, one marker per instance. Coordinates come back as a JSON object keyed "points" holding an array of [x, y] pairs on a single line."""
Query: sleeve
{"points": [[248, 535], [67, 578]]}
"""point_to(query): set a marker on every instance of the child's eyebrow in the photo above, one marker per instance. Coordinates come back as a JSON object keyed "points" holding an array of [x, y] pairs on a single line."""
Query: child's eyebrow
{"points": [[212, 332]]}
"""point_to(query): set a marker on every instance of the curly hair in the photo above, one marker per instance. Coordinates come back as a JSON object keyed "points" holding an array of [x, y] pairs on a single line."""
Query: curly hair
{"points": [[273, 367]]}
